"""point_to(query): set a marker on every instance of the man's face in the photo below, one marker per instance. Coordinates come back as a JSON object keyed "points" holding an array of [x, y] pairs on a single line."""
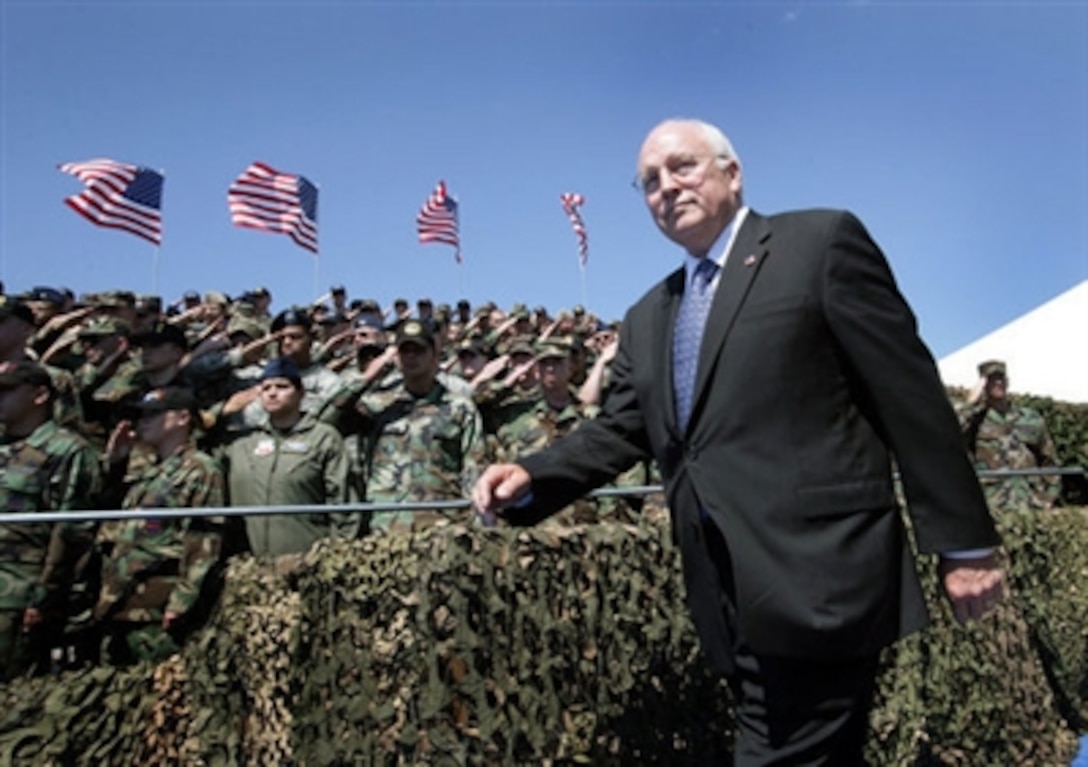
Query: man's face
{"points": [[16, 402], [529, 378], [100, 347], [155, 358], [418, 362], [154, 428], [997, 387], [14, 333], [279, 395], [470, 362], [554, 373], [295, 343], [690, 196]]}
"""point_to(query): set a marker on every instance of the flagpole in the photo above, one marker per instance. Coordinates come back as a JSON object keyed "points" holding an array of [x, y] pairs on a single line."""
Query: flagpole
{"points": [[155, 270], [317, 274]]}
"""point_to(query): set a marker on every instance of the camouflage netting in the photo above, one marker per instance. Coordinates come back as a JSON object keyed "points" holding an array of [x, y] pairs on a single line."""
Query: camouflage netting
{"points": [[546, 646]]}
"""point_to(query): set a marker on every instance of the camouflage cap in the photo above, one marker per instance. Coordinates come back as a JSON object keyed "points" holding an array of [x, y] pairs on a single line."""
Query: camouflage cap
{"points": [[472, 346], [370, 305], [13, 374], [245, 325], [415, 332], [100, 327], [521, 345], [552, 349], [991, 368], [166, 398], [13, 307], [117, 299]]}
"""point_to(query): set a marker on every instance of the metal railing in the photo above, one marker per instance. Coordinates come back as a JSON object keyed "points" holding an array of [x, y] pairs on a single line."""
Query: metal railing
{"points": [[94, 515]]}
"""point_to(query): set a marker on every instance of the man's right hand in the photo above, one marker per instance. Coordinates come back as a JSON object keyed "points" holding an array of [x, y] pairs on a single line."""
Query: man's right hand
{"points": [[499, 487]]}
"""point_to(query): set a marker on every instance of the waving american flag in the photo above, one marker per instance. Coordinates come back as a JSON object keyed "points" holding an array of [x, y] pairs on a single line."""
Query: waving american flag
{"points": [[437, 220], [263, 198], [119, 196], [571, 202]]}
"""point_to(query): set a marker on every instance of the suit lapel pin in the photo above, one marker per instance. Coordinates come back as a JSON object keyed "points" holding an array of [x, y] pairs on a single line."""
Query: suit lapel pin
{"points": [[750, 260]]}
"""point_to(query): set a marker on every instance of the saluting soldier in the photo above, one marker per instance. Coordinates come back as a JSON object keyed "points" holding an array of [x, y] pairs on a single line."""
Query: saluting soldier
{"points": [[423, 441], [43, 467], [158, 573], [1001, 434]]}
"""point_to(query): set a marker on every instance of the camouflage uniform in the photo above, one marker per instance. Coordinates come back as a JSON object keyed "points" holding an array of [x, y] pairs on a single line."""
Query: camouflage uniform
{"points": [[152, 566], [52, 469], [526, 427], [304, 465], [1015, 439], [426, 448]]}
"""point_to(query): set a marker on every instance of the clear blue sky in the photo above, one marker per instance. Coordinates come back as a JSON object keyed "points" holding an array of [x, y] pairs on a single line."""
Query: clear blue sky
{"points": [[957, 131]]}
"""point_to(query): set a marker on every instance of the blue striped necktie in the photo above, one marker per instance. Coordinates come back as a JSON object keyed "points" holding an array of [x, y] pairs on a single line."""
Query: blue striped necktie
{"points": [[688, 336]]}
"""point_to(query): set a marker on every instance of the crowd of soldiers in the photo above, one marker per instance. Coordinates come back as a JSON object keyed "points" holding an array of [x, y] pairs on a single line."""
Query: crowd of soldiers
{"points": [[116, 401]]}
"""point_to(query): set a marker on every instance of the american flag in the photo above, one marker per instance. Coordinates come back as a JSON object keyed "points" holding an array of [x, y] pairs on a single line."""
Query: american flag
{"points": [[118, 195], [263, 198], [571, 202], [437, 220]]}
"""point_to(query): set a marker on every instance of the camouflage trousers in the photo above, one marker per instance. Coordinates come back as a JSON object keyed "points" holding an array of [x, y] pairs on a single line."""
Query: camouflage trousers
{"points": [[125, 642]]}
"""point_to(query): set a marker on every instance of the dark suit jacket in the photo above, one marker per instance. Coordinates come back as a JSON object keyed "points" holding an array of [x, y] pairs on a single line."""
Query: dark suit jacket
{"points": [[811, 375]]}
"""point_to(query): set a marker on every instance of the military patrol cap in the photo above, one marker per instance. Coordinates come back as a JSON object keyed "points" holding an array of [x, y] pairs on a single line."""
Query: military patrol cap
{"points": [[472, 346], [368, 321], [283, 367], [333, 318], [162, 333], [43, 293], [13, 307], [293, 317], [246, 325], [578, 310], [552, 349], [415, 332], [100, 327], [164, 399], [521, 311], [991, 368], [148, 304], [215, 297], [338, 290], [14, 374], [114, 299], [521, 345], [463, 304], [191, 295], [261, 292], [369, 305]]}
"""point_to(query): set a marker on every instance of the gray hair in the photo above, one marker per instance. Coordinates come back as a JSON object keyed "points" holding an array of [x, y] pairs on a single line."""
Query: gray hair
{"points": [[719, 143]]}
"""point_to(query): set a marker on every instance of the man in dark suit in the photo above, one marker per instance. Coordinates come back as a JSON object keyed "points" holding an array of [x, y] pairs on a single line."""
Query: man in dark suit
{"points": [[772, 378]]}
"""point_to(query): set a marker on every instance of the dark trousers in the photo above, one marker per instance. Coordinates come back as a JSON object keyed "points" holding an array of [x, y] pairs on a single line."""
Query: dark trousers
{"points": [[795, 712], [800, 713]]}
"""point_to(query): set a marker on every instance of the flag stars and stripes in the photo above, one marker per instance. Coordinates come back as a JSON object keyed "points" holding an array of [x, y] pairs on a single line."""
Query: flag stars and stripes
{"points": [[119, 196], [264, 198], [571, 202], [437, 220]]}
